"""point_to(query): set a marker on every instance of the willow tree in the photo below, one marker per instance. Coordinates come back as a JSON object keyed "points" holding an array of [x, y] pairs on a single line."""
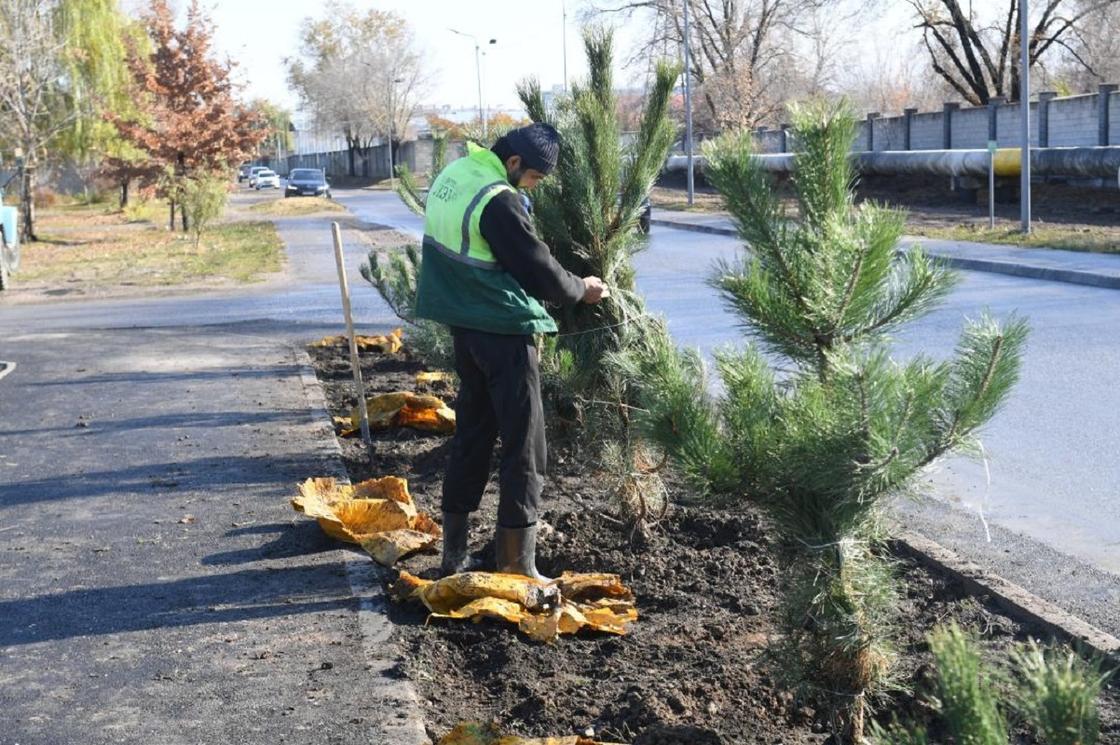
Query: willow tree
{"points": [[96, 36], [61, 69], [824, 446]]}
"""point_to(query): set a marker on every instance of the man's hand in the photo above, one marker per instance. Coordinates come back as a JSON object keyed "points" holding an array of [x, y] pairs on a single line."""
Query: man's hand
{"points": [[594, 290]]}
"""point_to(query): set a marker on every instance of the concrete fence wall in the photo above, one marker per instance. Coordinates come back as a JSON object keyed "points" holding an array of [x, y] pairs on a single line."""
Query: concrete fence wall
{"points": [[1074, 121], [416, 154]]}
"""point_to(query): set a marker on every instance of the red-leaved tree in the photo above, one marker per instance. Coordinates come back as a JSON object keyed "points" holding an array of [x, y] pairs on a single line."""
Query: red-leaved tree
{"points": [[191, 123]]}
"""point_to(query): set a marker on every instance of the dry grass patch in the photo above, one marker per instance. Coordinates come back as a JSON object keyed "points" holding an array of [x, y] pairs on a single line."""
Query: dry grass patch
{"points": [[677, 199], [287, 206], [148, 256], [1089, 238]]}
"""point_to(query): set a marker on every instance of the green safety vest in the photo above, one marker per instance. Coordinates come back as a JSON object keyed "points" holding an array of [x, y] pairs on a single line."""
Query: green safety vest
{"points": [[460, 282]]}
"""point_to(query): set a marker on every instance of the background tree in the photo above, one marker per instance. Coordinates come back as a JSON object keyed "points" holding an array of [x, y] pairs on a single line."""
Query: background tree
{"points": [[277, 123], [358, 71], [1091, 53], [192, 124], [844, 428], [61, 69], [745, 53], [32, 78], [496, 125], [96, 35], [975, 47]]}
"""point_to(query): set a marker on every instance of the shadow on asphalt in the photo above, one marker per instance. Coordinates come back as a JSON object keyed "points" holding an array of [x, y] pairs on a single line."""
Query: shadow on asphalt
{"points": [[172, 478], [293, 540], [170, 421], [187, 376], [224, 598]]}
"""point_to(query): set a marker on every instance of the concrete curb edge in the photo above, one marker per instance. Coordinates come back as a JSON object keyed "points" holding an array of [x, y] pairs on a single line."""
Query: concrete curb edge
{"points": [[1010, 597], [1069, 276], [402, 723]]}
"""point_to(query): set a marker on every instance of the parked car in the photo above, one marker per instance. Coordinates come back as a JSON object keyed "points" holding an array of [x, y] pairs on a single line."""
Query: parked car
{"points": [[309, 182], [253, 174], [9, 240], [267, 179], [243, 172]]}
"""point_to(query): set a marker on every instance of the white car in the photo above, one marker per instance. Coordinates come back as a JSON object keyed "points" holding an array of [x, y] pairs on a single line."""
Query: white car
{"points": [[253, 174], [267, 179]]}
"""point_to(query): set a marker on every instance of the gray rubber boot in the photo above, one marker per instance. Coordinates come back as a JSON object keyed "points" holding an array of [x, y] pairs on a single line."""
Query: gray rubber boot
{"points": [[456, 528], [515, 552]]}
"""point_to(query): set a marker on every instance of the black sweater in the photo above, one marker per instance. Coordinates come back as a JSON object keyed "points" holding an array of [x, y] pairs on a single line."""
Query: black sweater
{"points": [[509, 230]]}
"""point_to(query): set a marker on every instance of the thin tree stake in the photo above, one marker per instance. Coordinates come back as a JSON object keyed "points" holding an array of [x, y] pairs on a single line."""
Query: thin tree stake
{"points": [[359, 386]]}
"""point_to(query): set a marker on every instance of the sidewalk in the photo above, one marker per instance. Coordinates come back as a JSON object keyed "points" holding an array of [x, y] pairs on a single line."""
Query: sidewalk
{"points": [[156, 585], [1082, 268]]}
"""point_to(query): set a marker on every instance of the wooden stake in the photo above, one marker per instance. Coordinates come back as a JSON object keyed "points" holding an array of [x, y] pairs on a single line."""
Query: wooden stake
{"points": [[359, 386]]}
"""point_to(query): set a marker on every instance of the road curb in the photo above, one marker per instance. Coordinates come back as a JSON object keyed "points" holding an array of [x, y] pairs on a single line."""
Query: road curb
{"points": [[1016, 601], [402, 723], [1027, 271]]}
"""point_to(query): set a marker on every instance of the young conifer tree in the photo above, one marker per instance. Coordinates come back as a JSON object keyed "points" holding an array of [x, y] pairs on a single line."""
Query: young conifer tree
{"points": [[823, 446], [587, 212]]}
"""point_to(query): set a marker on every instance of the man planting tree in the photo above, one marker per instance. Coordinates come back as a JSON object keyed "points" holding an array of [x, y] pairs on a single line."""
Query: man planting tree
{"points": [[485, 274]]}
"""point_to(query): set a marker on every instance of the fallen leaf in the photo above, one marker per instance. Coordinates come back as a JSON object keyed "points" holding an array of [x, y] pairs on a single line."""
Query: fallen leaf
{"points": [[435, 376], [474, 733], [390, 546], [406, 409], [386, 344], [541, 610], [377, 514]]}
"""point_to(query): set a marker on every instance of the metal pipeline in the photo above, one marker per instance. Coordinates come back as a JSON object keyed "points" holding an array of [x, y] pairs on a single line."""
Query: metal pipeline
{"points": [[1086, 162]]}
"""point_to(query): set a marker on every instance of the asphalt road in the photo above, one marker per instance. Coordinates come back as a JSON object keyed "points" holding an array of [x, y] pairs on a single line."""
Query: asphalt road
{"points": [[1051, 517], [155, 585]]}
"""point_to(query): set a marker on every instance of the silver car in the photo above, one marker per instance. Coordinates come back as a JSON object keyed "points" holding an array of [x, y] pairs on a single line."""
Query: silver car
{"points": [[267, 179]]}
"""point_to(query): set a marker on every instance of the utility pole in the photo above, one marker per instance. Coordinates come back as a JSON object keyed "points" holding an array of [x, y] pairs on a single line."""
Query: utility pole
{"points": [[564, 28], [392, 115], [688, 109], [1025, 115]]}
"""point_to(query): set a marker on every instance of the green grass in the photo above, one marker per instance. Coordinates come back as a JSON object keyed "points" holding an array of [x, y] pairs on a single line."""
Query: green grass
{"points": [[241, 251], [1084, 238]]}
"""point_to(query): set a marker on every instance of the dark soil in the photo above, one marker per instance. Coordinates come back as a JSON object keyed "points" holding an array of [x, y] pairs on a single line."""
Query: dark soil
{"points": [[695, 668]]}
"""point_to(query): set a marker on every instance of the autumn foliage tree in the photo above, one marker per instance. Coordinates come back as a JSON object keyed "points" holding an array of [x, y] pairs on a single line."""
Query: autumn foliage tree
{"points": [[191, 123]]}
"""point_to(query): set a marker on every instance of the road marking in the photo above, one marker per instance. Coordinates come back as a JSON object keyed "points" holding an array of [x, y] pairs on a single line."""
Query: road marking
{"points": [[5, 368]]}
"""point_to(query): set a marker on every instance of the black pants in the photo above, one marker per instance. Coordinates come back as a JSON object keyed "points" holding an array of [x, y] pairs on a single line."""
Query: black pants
{"points": [[499, 394]]}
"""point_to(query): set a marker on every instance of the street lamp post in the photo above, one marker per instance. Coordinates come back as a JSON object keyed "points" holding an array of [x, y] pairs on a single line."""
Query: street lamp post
{"points": [[564, 33], [1025, 117], [688, 110], [478, 73], [392, 115]]}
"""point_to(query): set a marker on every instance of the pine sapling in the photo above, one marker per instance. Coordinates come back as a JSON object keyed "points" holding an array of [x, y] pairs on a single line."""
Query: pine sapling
{"points": [[844, 428], [394, 275], [1057, 693], [967, 696]]}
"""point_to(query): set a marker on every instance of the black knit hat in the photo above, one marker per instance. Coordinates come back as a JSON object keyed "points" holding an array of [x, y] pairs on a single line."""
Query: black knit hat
{"points": [[537, 144]]}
